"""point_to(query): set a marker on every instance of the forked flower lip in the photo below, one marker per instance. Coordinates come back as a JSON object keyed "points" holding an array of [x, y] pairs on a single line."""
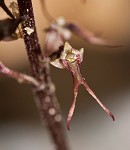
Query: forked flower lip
{"points": [[71, 59], [68, 123], [112, 116]]}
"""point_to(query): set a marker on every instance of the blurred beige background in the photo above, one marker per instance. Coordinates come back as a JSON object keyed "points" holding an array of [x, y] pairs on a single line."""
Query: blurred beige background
{"points": [[107, 71]]}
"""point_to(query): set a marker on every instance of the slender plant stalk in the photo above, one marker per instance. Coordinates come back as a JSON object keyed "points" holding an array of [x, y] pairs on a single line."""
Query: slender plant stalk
{"points": [[45, 99], [20, 77]]}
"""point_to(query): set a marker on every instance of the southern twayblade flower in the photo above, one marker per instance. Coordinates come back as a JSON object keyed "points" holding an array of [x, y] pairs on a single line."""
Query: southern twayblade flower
{"points": [[14, 9], [71, 59], [65, 29], [56, 35], [52, 42]]}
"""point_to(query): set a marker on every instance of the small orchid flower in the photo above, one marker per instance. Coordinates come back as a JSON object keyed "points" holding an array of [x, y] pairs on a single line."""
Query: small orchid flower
{"points": [[15, 11], [52, 42], [65, 29], [56, 35], [71, 59]]}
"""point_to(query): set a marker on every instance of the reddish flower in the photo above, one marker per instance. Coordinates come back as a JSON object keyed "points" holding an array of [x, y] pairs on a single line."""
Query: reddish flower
{"points": [[61, 31], [71, 59]]}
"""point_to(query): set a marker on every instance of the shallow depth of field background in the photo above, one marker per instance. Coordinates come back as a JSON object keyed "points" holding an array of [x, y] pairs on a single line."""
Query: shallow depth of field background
{"points": [[107, 71]]}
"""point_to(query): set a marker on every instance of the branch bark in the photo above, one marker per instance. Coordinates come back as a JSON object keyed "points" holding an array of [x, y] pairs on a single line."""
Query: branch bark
{"points": [[45, 99]]}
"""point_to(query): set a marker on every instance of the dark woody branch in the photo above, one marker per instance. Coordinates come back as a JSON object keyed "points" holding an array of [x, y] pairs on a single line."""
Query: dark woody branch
{"points": [[45, 99]]}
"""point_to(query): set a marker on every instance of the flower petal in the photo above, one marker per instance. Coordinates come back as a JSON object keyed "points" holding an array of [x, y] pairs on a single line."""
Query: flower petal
{"points": [[99, 102], [72, 108]]}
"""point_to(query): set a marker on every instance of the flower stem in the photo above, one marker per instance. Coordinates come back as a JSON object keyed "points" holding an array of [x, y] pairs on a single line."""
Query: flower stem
{"points": [[20, 77], [45, 99]]}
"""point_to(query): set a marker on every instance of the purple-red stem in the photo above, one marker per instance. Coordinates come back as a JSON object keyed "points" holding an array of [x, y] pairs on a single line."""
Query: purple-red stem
{"points": [[45, 99]]}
